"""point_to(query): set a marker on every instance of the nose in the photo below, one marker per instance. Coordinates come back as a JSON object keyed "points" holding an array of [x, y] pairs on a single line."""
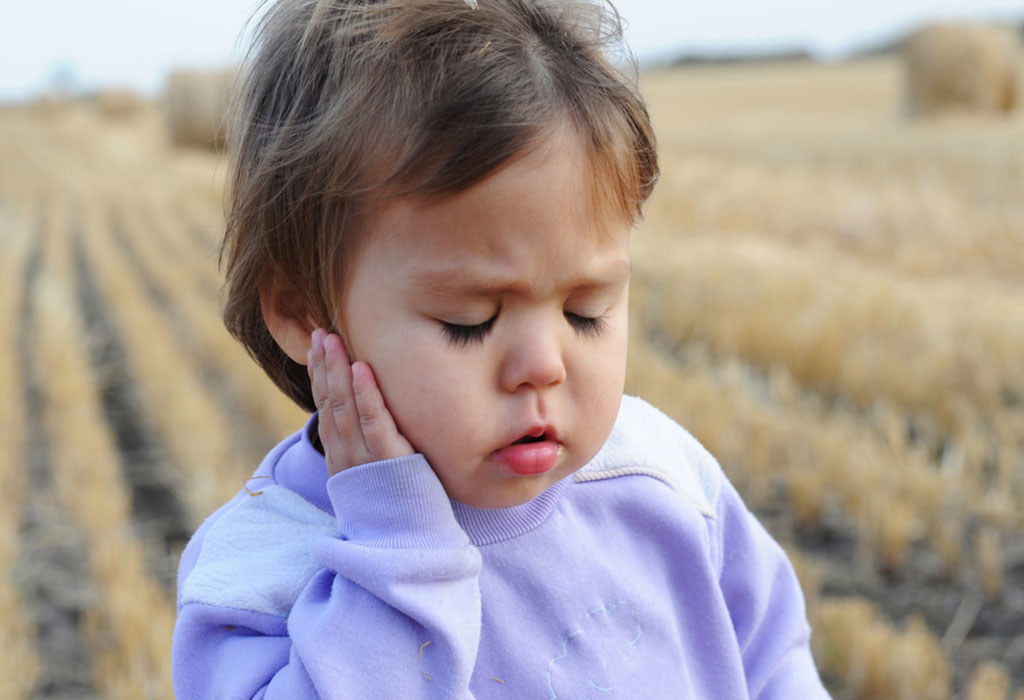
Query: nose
{"points": [[534, 359]]}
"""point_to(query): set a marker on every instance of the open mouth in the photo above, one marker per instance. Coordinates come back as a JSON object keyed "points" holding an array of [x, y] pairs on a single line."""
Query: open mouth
{"points": [[527, 439], [534, 453]]}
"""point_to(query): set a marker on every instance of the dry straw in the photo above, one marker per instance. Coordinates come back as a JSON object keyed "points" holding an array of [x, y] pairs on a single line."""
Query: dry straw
{"points": [[119, 104], [186, 415], [130, 628], [874, 658], [941, 357], [961, 67], [196, 104], [825, 462], [989, 681], [172, 267], [19, 666]]}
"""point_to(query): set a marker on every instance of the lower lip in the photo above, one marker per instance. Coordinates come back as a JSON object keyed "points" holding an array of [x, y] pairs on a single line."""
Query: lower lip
{"points": [[528, 459]]}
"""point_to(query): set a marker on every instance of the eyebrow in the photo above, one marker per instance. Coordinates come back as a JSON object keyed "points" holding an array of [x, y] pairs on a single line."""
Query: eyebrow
{"points": [[458, 281]]}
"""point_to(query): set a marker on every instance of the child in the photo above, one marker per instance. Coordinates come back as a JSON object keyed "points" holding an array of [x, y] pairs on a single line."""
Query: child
{"points": [[475, 511]]}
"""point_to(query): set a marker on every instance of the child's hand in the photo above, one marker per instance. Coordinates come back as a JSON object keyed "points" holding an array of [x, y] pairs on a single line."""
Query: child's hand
{"points": [[355, 425]]}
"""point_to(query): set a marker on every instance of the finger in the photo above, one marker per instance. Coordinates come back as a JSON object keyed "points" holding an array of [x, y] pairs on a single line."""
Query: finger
{"points": [[346, 448], [314, 339], [316, 366], [380, 435], [331, 438]]}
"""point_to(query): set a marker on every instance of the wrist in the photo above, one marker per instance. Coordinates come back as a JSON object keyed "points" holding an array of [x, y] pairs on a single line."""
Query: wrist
{"points": [[396, 503]]}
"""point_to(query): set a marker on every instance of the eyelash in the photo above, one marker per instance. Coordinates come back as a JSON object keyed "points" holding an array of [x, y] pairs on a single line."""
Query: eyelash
{"points": [[460, 336], [586, 325]]}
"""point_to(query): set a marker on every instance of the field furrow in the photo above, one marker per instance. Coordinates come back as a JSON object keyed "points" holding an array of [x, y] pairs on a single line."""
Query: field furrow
{"points": [[158, 513], [158, 225], [860, 649], [188, 420], [750, 422], [19, 664], [201, 332], [130, 626], [823, 317], [940, 358], [876, 517], [51, 567]]}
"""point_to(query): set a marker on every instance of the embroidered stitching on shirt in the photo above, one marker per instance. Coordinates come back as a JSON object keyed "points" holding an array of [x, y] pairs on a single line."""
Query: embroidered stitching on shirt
{"points": [[608, 610]]}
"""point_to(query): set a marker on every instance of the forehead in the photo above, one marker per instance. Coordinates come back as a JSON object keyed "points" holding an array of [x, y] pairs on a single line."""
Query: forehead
{"points": [[541, 209]]}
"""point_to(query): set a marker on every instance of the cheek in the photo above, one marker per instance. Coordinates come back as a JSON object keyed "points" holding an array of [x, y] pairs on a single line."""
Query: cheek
{"points": [[602, 375], [607, 359], [426, 388]]}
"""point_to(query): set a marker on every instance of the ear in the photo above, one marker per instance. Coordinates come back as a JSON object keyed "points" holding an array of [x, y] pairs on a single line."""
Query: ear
{"points": [[290, 330]]}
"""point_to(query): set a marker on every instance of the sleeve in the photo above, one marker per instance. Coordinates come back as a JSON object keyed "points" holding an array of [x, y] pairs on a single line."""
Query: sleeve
{"points": [[766, 606], [391, 610]]}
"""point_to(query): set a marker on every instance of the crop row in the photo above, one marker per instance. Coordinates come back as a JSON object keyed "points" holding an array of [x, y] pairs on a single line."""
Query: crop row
{"points": [[19, 663], [899, 394]]}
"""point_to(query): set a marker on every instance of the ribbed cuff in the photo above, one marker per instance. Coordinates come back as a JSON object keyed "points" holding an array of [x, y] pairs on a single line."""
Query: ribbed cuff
{"points": [[396, 504]]}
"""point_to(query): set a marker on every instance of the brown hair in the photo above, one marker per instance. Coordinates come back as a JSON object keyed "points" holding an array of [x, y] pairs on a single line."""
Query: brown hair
{"points": [[347, 103]]}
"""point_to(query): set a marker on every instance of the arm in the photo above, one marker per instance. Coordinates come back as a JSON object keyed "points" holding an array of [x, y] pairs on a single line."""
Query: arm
{"points": [[390, 608], [400, 573], [766, 605]]}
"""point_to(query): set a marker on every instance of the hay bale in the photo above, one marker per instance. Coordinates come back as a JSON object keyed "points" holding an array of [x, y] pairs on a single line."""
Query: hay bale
{"points": [[961, 68], [196, 105]]}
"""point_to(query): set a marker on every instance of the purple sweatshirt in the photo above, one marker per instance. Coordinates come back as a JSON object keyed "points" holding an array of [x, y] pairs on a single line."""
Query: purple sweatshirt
{"points": [[641, 576]]}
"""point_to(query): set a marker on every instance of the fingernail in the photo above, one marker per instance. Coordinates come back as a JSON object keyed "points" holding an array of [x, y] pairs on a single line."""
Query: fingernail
{"points": [[318, 336]]}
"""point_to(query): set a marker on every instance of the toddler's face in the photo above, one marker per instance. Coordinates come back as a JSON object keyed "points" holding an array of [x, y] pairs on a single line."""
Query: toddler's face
{"points": [[496, 324]]}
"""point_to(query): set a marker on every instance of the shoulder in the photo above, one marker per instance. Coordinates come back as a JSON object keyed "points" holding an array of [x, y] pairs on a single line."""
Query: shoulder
{"points": [[257, 555], [646, 442]]}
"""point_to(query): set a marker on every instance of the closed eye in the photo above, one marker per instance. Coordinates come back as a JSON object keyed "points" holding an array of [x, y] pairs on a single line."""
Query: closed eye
{"points": [[585, 325], [461, 336]]}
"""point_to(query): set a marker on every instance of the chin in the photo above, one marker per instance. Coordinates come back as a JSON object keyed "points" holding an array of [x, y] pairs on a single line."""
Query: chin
{"points": [[510, 494]]}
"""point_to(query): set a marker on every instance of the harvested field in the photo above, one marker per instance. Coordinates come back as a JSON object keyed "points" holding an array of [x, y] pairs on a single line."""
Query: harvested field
{"points": [[828, 296]]}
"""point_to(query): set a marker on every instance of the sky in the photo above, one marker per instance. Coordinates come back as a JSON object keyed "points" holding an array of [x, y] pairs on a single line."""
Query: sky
{"points": [[88, 44]]}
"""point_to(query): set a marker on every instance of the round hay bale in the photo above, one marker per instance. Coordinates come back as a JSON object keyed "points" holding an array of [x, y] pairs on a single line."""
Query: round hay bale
{"points": [[961, 68], [196, 105]]}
